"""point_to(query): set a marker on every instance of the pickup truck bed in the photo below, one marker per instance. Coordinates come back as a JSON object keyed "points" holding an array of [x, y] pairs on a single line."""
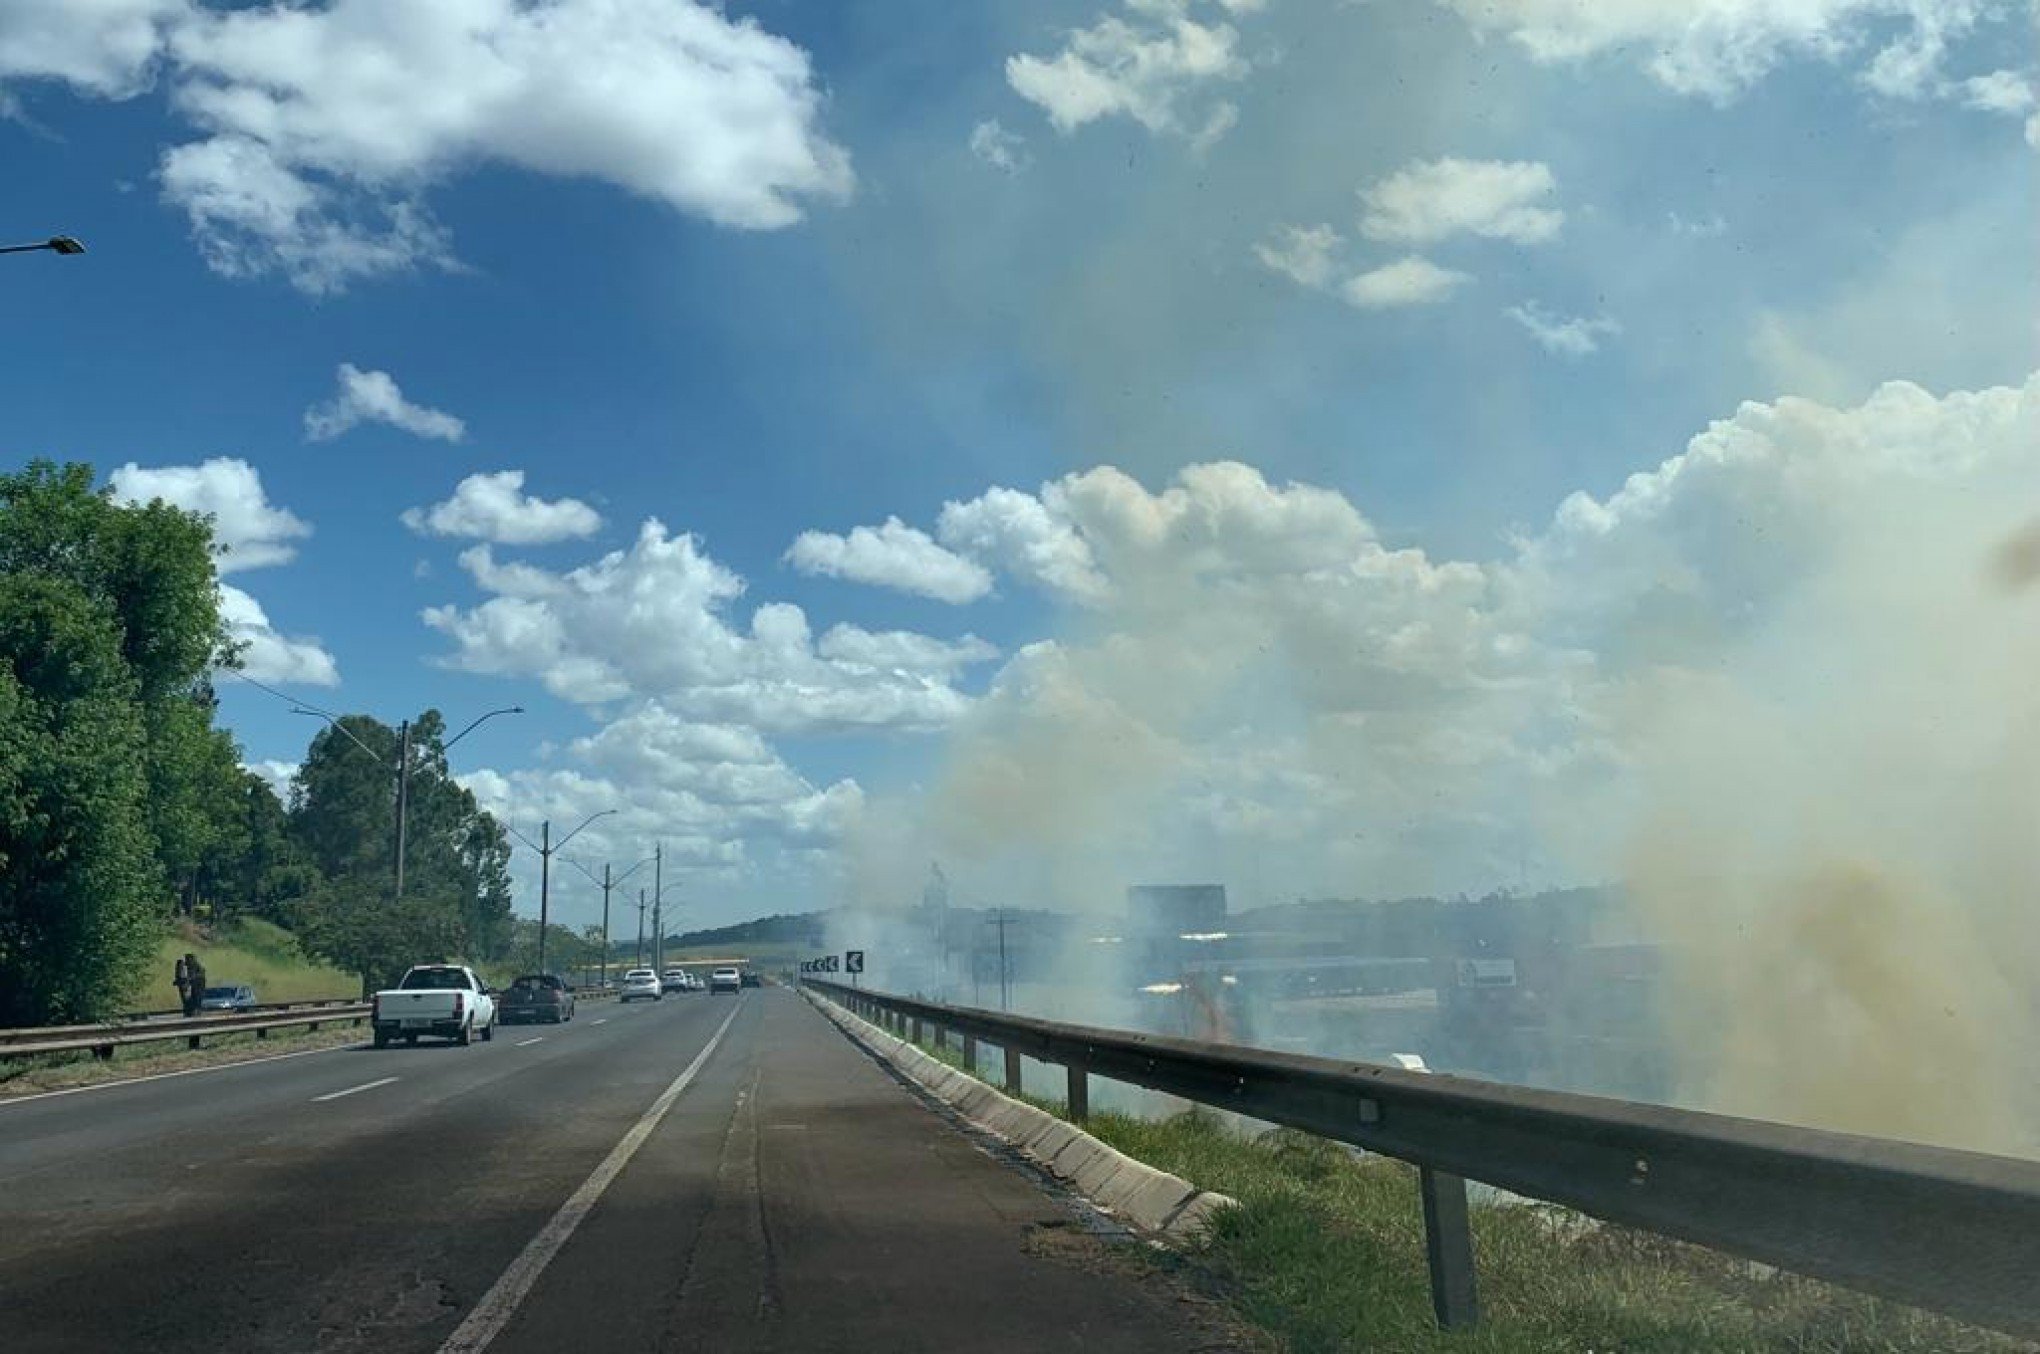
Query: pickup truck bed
{"points": [[442, 1001]]}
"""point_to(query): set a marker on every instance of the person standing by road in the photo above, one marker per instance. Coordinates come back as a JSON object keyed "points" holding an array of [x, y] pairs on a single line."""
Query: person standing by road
{"points": [[190, 983]]}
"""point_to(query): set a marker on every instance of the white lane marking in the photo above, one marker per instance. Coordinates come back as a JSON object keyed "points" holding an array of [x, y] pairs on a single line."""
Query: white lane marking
{"points": [[5, 1101], [364, 1086], [527, 1043], [500, 1303], [603, 1021]]}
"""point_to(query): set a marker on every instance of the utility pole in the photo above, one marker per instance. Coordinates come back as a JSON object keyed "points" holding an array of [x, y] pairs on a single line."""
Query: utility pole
{"points": [[605, 923], [1002, 921], [607, 882], [640, 928], [658, 915], [403, 798], [545, 848]]}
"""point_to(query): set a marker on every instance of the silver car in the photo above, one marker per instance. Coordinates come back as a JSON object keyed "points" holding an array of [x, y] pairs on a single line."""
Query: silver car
{"points": [[641, 984]]}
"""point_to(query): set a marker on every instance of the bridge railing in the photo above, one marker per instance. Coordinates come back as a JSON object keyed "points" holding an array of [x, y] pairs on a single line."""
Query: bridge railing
{"points": [[1953, 1231]]}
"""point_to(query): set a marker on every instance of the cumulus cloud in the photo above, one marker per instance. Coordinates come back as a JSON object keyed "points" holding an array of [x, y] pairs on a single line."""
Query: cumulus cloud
{"points": [[375, 397], [904, 651], [1430, 200], [997, 147], [267, 655], [323, 128], [1030, 538], [1410, 281], [654, 622], [1303, 254], [893, 555], [249, 531], [494, 507], [107, 48], [1563, 335], [275, 774], [1718, 48], [1157, 65]]}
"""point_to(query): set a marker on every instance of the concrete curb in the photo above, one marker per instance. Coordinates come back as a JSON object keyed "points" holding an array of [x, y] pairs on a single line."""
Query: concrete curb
{"points": [[1151, 1199]]}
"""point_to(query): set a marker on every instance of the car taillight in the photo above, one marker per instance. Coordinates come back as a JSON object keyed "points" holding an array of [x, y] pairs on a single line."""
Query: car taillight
{"points": [[459, 1004]]}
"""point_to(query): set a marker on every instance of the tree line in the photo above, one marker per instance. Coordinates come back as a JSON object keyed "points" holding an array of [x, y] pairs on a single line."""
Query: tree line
{"points": [[123, 804]]}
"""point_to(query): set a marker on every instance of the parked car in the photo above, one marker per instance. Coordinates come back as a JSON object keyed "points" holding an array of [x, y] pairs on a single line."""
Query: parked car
{"points": [[725, 980], [537, 997], [446, 1001], [673, 980], [641, 984], [231, 997]]}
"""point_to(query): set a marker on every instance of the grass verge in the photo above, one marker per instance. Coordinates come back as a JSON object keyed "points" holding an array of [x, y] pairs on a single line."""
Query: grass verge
{"points": [[1326, 1253], [63, 1072], [248, 951]]}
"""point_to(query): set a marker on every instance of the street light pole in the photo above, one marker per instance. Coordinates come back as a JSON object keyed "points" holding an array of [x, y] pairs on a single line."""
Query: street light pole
{"points": [[545, 849], [403, 798], [609, 881], [56, 244], [640, 928], [658, 914]]}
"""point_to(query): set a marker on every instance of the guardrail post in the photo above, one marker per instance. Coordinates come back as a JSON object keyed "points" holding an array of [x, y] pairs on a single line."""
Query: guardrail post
{"points": [[263, 1033], [1012, 1070], [1080, 1095], [941, 1038], [1448, 1246], [914, 1030], [970, 1053], [103, 1052], [191, 1042]]}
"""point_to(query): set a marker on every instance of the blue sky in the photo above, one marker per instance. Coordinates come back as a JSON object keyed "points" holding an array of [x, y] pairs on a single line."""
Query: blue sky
{"points": [[793, 268]]}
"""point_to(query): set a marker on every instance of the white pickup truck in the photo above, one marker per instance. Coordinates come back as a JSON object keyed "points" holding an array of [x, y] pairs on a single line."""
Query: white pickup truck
{"points": [[446, 1001]]}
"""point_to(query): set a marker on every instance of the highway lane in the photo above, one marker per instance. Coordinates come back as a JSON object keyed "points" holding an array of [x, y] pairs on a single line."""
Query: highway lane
{"points": [[793, 1196]]}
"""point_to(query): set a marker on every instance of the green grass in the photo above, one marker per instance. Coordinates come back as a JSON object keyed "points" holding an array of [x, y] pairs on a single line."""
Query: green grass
{"points": [[1326, 1252], [247, 951]]}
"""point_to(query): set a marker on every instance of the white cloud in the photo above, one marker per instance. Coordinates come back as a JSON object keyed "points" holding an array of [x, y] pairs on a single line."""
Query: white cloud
{"points": [[2007, 92], [1027, 537], [268, 656], [1697, 228], [997, 147], [1565, 335], [1409, 281], [323, 128], [893, 555], [108, 48], [1718, 48], [1430, 200], [494, 507], [653, 622], [277, 775], [1156, 66], [252, 532], [1303, 254], [904, 651], [375, 397]]}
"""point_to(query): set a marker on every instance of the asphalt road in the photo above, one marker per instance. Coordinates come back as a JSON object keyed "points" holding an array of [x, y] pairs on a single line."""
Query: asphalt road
{"points": [[706, 1172]]}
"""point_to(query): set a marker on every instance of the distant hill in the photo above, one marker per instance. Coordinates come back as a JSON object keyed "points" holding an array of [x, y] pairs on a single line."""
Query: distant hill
{"points": [[797, 928]]}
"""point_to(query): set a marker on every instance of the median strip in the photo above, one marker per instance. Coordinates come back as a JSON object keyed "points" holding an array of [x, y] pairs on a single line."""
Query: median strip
{"points": [[353, 1090], [500, 1303]]}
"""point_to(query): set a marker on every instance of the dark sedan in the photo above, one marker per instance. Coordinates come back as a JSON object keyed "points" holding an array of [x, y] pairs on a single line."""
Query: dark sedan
{"points": [[537, 998]]}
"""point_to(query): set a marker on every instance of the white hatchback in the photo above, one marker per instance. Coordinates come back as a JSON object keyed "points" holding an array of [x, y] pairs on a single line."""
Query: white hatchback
{"points": [[640, 984]]}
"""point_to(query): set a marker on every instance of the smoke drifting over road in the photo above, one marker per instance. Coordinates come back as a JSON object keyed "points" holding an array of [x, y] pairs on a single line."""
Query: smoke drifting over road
{"points": [[1780, 688]]}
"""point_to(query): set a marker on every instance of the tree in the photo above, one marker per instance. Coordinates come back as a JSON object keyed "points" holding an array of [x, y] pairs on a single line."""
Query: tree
{"points": [[112, 624], [80, 892], [456, 862]]}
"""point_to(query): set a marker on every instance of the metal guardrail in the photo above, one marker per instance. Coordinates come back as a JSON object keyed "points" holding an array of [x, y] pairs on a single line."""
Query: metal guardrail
{"points": [[1952, 1231], [102, 1040]]}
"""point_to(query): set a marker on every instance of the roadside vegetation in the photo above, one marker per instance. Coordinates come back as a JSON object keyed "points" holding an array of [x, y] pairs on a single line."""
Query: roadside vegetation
{"points": [[247, 950], [1326, 1253]]}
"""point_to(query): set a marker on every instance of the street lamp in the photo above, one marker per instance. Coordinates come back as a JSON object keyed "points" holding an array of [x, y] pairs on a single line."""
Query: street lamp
{"points": [[56, 244], [545, 855], [607, 884]]}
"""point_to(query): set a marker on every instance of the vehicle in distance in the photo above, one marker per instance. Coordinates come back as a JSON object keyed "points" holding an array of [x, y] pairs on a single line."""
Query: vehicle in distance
{"points": [[749, 977], [725, 980], [673, 980], [640, 984], [536, 997], [231, 997], [446, 1001]]}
